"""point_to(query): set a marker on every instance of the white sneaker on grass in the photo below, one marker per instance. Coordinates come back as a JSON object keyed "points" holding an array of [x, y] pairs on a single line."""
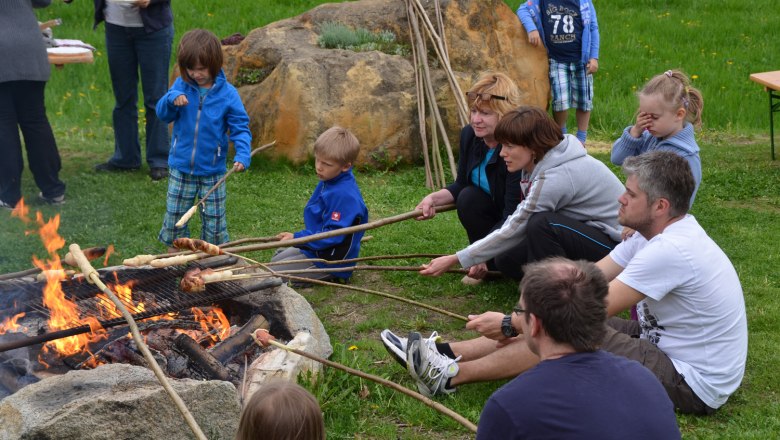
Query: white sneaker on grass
{"points": [[428, 367], [396, 345]]}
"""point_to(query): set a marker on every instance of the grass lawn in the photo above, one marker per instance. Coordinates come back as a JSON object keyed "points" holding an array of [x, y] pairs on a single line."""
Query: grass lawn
{"points": [[738, 203]]}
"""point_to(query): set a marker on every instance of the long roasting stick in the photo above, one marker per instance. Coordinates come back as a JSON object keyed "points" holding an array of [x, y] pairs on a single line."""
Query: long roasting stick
{"points": [[182, 258], [336, 232], [94, 278], [263, 338], [329, 262], [186, 217]]}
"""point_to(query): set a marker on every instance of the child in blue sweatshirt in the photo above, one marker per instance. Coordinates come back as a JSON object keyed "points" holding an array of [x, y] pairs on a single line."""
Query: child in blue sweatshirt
{"points": [[336, 203], [204, 108]]}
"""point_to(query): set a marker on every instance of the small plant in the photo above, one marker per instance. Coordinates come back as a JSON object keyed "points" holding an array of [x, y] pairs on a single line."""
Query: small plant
{"points": [[247, 76], [339, 36]]}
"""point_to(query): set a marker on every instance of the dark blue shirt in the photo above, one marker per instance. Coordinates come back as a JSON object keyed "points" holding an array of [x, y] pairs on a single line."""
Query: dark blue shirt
{"points": [[581, 396], [562, 25]]}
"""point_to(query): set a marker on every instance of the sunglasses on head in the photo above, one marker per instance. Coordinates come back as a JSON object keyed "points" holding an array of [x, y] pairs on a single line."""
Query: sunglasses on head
{"points": [[473, 96]]}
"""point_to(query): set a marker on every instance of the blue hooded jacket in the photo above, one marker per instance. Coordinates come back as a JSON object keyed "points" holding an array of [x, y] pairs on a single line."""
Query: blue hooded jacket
{"points": [[199, 144], [530, 15]]}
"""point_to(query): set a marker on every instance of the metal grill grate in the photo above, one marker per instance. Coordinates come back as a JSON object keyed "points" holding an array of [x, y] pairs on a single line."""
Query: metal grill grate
{"points": [[157, 288]]}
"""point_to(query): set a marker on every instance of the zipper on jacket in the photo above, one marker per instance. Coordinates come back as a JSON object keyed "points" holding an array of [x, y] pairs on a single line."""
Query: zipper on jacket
{"points": [[195, 137]]}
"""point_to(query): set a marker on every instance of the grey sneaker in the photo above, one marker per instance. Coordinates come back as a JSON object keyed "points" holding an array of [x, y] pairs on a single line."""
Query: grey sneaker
{"points": [[58, 200], [396, 345], [428, 367]]}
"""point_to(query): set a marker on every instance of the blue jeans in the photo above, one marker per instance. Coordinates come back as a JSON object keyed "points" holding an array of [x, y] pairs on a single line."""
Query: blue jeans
{"points": [[131, 50]]}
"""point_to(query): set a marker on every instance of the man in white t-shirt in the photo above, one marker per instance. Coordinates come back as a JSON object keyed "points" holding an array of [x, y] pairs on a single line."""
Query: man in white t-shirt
{"points": [[692, 328]]}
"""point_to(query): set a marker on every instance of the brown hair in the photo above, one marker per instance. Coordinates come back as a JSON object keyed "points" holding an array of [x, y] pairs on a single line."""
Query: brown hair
{"points": [[281, 410], [339, 144], [499, 84], [569, 297], [530, 127], [676, 90], [199, 46]]}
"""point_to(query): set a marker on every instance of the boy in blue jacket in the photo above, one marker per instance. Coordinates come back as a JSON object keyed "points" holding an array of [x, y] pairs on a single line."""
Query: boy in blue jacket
{"points": [[569, 31], [204, 108], [335, 204]]}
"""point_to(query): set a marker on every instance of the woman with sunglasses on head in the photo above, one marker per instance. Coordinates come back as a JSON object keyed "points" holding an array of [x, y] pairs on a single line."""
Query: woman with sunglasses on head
{"points": [[569, 206], [485, 193]]}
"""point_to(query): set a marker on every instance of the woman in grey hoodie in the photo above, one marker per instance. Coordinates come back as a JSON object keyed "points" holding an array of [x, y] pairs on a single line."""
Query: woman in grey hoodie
{"points": [[570, 207]]}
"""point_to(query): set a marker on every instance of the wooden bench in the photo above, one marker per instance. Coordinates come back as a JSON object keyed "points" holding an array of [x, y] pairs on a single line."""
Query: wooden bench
{"points": [[771, 83]]}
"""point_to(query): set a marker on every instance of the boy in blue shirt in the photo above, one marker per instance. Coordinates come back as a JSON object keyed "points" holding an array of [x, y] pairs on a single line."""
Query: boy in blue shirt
{"points": [[569, 31], [336, 203]]}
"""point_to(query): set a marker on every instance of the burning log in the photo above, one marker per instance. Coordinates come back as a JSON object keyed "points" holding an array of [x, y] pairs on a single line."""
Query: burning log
{"points": [[238, 343], [200, 357]]}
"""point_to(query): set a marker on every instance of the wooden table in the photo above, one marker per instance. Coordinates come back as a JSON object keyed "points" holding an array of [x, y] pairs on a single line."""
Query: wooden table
{"points": [[60, 56], [771, 83]]}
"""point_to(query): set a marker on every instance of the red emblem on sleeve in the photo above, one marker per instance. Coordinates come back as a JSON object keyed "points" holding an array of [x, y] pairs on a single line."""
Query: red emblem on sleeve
{"points": [[335, 216]]}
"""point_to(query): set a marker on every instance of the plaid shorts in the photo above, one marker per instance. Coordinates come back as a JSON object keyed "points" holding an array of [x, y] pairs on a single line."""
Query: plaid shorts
{"points": [[571, 86], [182, 192]]}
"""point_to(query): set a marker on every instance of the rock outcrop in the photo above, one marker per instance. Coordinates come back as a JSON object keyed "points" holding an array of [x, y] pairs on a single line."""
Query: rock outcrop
{"points": [[300, 89]]}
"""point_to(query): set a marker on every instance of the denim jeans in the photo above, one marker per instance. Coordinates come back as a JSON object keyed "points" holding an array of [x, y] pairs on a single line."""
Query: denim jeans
{"points": [[22, 107], [131, 50]]}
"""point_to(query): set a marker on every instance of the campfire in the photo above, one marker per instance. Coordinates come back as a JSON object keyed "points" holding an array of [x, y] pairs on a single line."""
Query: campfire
{"points": [[58, 322]]}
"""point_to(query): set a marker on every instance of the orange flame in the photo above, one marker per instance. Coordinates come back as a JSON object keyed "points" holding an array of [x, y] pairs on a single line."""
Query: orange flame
{"points": [[215, 319], [21, 211], [10, 325]]}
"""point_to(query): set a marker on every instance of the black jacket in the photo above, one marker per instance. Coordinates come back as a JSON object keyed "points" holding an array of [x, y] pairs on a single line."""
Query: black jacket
{"points": [[504, 186]]}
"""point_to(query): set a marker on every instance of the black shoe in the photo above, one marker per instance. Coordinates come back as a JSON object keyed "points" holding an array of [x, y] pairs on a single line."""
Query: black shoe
{"points": [[108, 166], [58, 200], [158, 173], [7, 206]]}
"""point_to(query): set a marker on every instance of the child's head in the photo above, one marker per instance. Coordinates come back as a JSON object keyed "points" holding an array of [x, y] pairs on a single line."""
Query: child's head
{"points": [[281, 410], [672, 93], [529, 127], [199, 48], [494, 91], [335, 149]]}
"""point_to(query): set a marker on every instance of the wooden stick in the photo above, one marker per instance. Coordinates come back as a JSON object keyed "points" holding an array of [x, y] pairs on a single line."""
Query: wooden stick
{"points": [[94, 278], [186, 217], [91, 253], [337, 232], [272, 273], [329, 262], [264, 341]]}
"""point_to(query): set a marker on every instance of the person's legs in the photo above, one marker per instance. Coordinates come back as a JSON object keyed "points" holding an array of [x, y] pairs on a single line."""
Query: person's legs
{"points": [[550, 234], [500, 363], [560, 87], [181, 196], [213, 217], [42, 154], [154, 54], [123, 67], [582, 98], [12, 165], [511, 262], [291, 254], [477, 212], [622, 339]]}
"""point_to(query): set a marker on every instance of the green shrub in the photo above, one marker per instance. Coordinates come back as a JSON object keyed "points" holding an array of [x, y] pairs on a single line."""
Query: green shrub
{"points": [[339, 36]]}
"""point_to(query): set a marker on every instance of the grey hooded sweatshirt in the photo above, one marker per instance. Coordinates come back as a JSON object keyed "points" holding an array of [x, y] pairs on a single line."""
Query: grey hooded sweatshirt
{"points": [[566, 181]]}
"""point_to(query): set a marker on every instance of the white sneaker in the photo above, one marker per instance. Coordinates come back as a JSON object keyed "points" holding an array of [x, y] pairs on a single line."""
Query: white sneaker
{"points": [[396, 345], [428, 367]]}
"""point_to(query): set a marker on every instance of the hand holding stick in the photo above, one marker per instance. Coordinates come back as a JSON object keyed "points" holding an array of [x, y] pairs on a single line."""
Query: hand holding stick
{"points": [[186, 217], [264, 339]]}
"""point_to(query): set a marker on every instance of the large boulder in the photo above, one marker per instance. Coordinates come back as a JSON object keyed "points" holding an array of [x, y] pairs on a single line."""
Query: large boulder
{"points": [[302, 89], [117, 401]]}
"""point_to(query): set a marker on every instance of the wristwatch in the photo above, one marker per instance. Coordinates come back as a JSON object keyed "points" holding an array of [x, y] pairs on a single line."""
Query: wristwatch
{"points": [[506, 327]]}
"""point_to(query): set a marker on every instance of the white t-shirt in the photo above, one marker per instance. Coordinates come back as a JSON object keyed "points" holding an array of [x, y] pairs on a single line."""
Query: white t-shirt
{"points": [[694, 309]]}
